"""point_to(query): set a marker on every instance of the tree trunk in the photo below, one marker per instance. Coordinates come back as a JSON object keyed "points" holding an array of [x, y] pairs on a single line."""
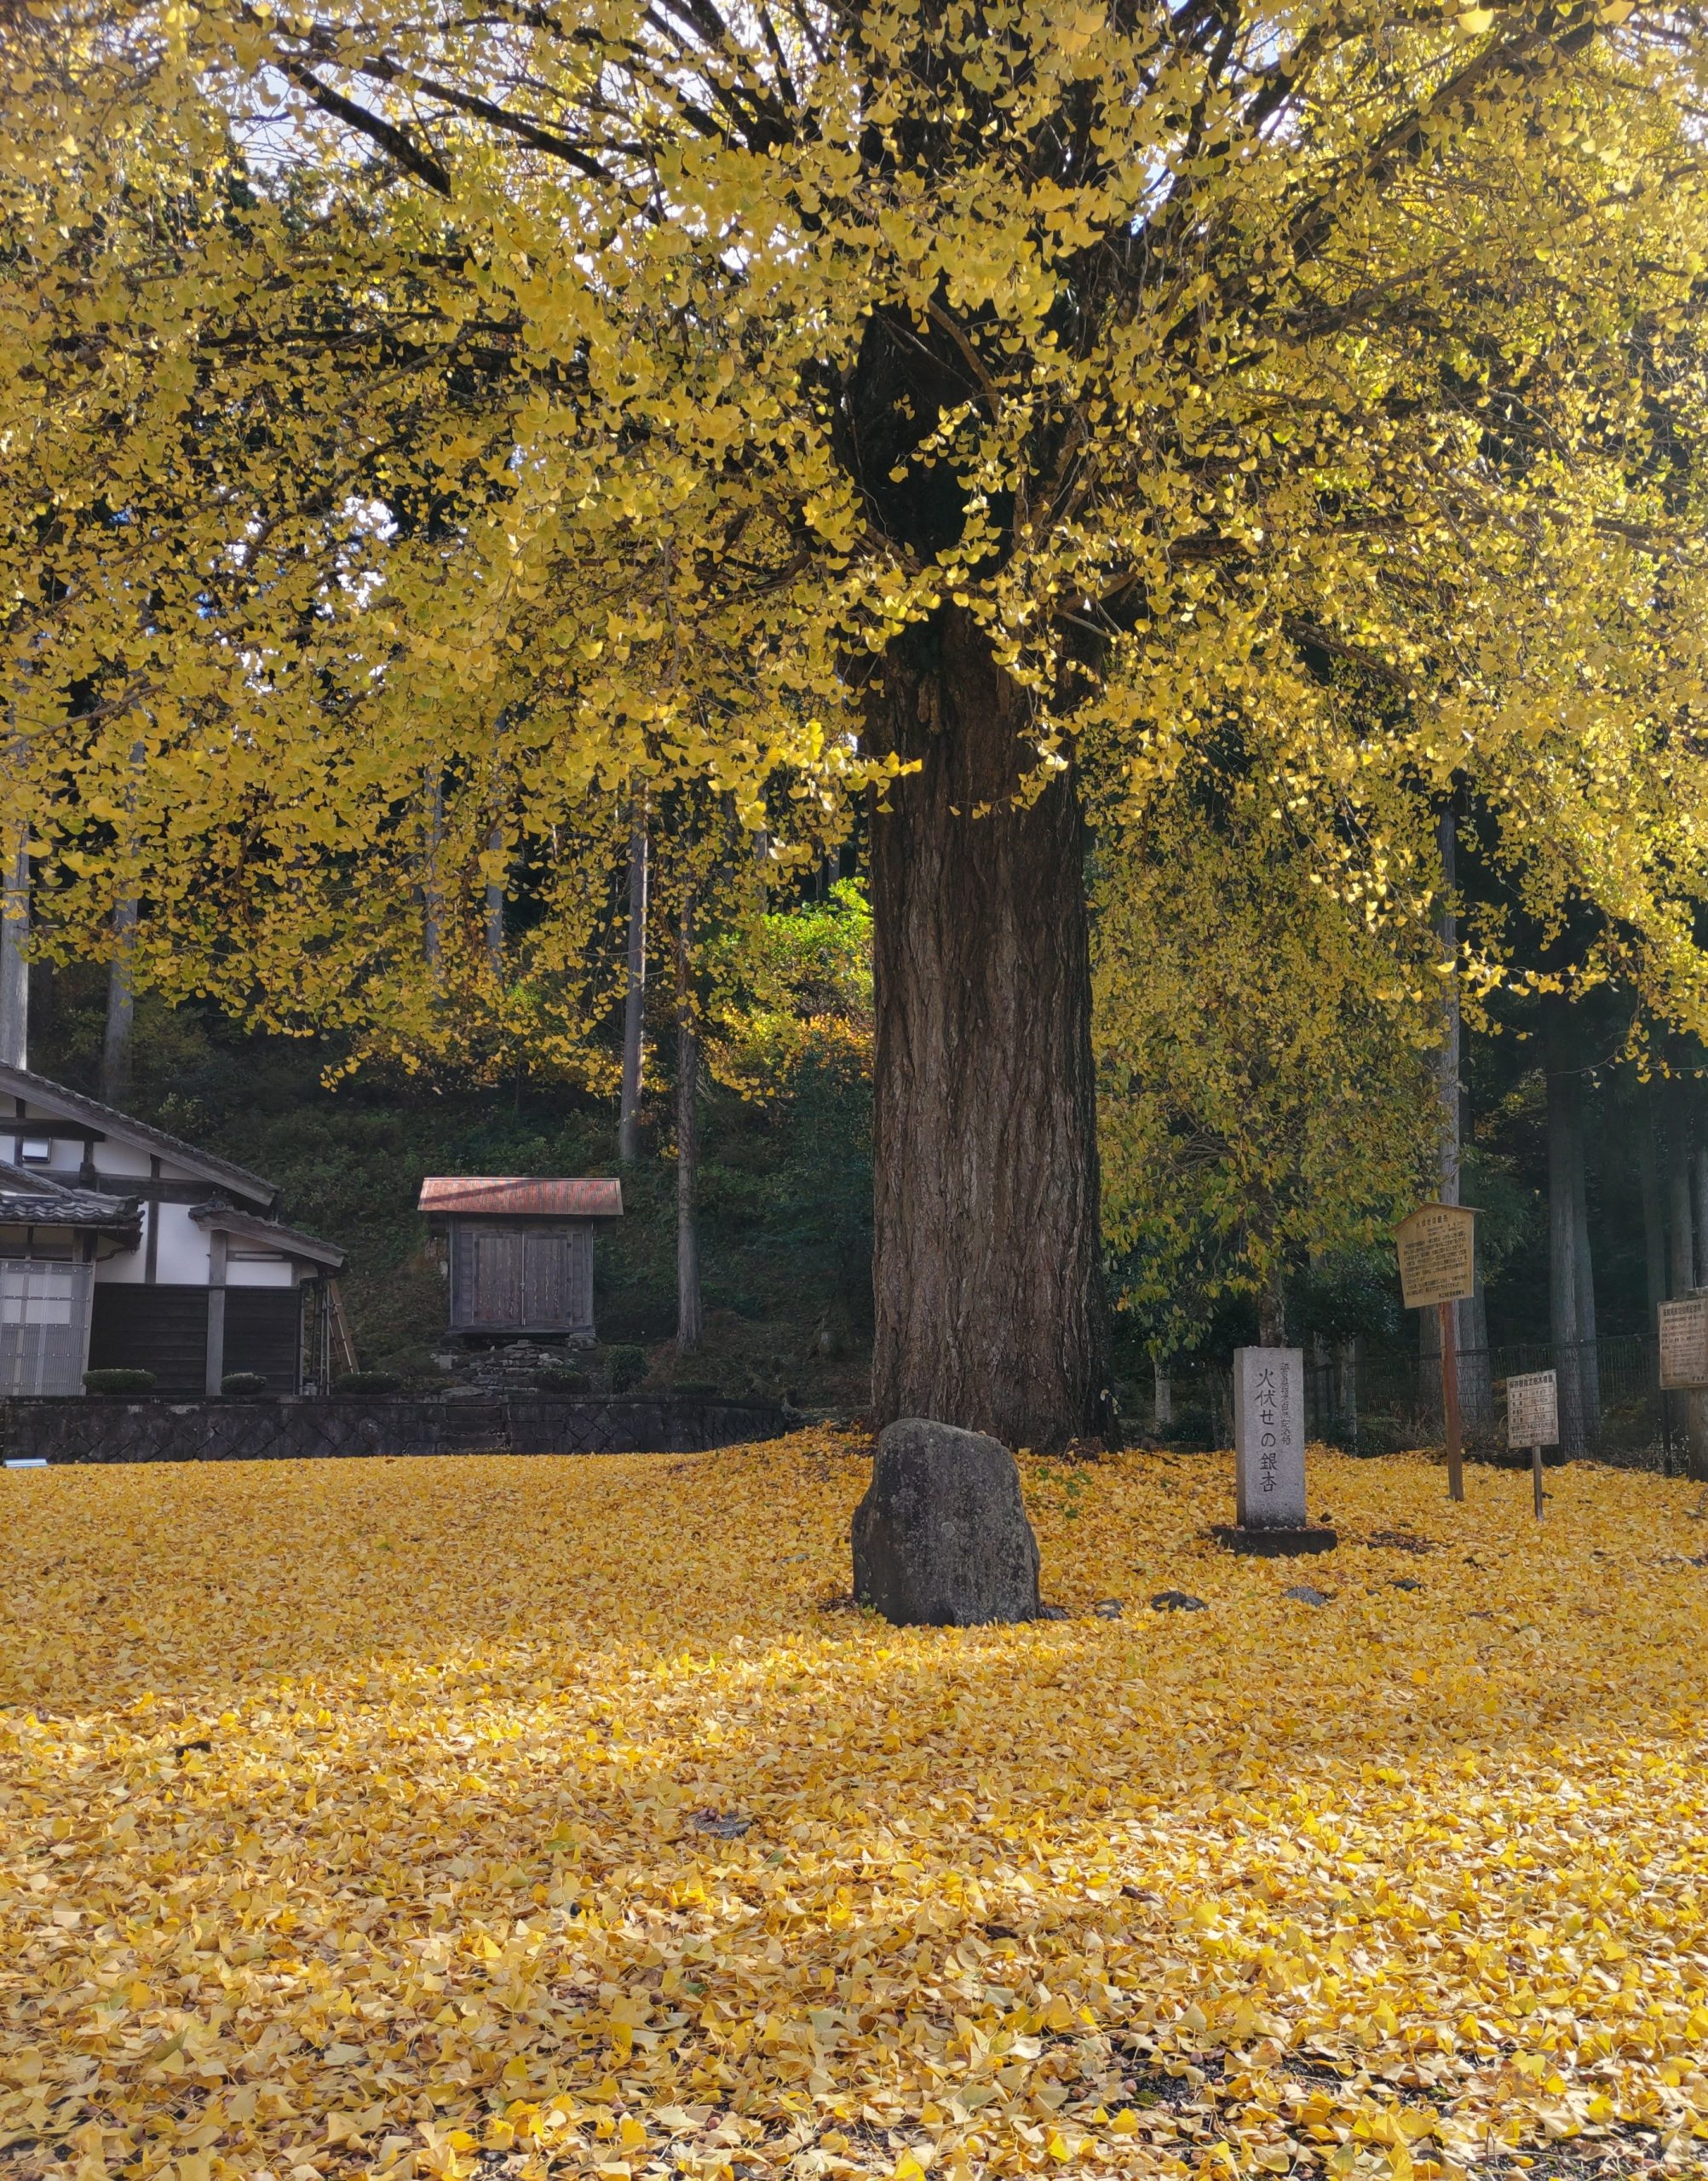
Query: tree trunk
{"points": [[1476, 1378], [121, 1008], [1447, 1066], [14, 964], [635, 998], [1429, 1378], [1699, 1175], [432, 893], [1588, 1365], [1272, 1311], [495, 909], [1470, 1314], [1681, 1246], [1431, 1408], [1690, 1413], [987, 1265], [1564, 1150], [690, 1308], [1162, 1396], [1654, 1221], [1346, 1392]]}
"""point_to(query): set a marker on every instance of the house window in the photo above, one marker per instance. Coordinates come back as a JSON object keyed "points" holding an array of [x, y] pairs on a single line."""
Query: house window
{"points": [[35, 1151]]}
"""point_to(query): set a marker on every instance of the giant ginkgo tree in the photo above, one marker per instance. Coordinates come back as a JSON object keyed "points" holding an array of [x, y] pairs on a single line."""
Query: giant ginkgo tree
{"points": [[974, 406]]}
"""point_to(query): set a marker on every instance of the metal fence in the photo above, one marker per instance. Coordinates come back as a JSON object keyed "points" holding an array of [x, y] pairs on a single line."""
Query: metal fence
{"points": [[1380, 1402]]}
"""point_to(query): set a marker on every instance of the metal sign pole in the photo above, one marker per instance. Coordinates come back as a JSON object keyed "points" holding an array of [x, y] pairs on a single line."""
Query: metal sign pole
{"points": [[1536, 1478], [1450, 1398]]}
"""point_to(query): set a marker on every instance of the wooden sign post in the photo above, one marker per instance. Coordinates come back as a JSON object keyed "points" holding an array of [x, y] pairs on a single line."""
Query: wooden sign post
{"points": [[1437, 1246], [1533, 1420]]}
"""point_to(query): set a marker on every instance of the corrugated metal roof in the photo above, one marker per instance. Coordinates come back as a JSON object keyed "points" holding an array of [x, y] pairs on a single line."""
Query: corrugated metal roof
{"points": [[548, 1196]]}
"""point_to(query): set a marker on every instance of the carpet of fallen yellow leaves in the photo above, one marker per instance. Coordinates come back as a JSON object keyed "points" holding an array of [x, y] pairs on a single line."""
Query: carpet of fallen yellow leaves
{"points": [[461, 1817]]}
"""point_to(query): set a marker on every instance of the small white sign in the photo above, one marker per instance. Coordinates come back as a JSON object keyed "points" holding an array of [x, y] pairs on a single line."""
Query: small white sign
{"points": [[1684, 1343], [1532, 1409]]}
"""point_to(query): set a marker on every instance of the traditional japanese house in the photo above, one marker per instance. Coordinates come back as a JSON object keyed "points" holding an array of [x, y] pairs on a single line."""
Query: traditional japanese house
{"points": [[520, 1250], [122, 1245]]}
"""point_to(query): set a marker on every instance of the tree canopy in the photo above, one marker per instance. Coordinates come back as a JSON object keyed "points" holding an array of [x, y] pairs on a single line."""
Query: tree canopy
{"points": [[424, 432], [631, 375]]}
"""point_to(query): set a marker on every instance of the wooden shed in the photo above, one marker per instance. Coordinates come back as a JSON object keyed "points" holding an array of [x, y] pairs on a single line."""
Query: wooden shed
{"points": [[520, 1250]]}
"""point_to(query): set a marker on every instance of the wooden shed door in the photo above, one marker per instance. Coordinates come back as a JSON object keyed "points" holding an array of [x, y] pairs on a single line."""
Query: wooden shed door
{"points": [[545, 1279], [506, 1279], [497, 1299]]}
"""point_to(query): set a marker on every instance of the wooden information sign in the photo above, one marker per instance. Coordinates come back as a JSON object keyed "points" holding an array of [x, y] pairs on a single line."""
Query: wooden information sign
{"points": [[1532, 1409], [1684, 1344], [1533, 1420], [1437, 1247]]}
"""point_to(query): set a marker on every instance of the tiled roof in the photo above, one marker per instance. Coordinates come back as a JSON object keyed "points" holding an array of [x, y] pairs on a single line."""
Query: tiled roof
{"points": [[523, 1195], [38, 1089], [270, 1234], [53, 1206]]}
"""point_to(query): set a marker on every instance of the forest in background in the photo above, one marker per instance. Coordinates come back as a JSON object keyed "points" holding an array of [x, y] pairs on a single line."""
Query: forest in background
{"points": [[784, 1180]]}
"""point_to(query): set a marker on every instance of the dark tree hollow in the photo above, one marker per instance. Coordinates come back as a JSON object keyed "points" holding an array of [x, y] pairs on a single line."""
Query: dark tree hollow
{"points": [[986, 1269]]}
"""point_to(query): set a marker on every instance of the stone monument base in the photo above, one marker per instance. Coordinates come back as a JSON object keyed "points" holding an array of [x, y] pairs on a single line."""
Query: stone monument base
{"points": [[1278, 1543]]}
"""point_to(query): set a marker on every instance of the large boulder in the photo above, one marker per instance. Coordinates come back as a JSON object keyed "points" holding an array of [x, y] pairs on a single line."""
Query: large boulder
{"points": [[941, 1538]]}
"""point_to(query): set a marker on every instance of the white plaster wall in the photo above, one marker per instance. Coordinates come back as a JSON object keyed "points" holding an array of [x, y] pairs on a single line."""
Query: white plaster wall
{"points": [[183, 1248], [113, 1157], [183, 1259]]}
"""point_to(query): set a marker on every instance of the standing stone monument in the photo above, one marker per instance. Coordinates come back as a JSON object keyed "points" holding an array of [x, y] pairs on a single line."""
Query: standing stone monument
{"points": [[941, 1538], [1269, 1456]]}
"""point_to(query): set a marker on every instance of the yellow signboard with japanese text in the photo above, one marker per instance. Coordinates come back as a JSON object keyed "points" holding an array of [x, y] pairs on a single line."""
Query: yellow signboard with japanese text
{"points": [[1437, 1246]]}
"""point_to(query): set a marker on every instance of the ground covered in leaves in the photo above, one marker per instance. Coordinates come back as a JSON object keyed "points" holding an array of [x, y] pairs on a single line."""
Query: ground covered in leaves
{"points": [[465, 1817]]}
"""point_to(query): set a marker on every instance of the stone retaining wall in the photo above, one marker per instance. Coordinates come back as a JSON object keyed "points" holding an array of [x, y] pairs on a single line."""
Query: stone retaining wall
{"points": [[98, 1429]]}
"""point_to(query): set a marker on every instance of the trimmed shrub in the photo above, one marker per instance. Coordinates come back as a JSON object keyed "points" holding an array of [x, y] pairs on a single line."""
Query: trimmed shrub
{"points": [[239, 1382], [625, 1366], [702, 1387], [118, 1382], [368, 1382]]}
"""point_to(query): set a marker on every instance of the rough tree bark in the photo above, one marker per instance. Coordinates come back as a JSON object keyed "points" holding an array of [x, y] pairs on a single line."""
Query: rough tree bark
{"points": [[1698, 1168], [986, 1271], [121, 1009], [432, 890], [14, 961], [690, 1307], [495, 909], [1272, 1312], [1346, 1390], [1681, 1223], [1654, 1217], [1470, 1316], [1689, 1411], [635, 998], [1564, 1151], [1589, 1363]]}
